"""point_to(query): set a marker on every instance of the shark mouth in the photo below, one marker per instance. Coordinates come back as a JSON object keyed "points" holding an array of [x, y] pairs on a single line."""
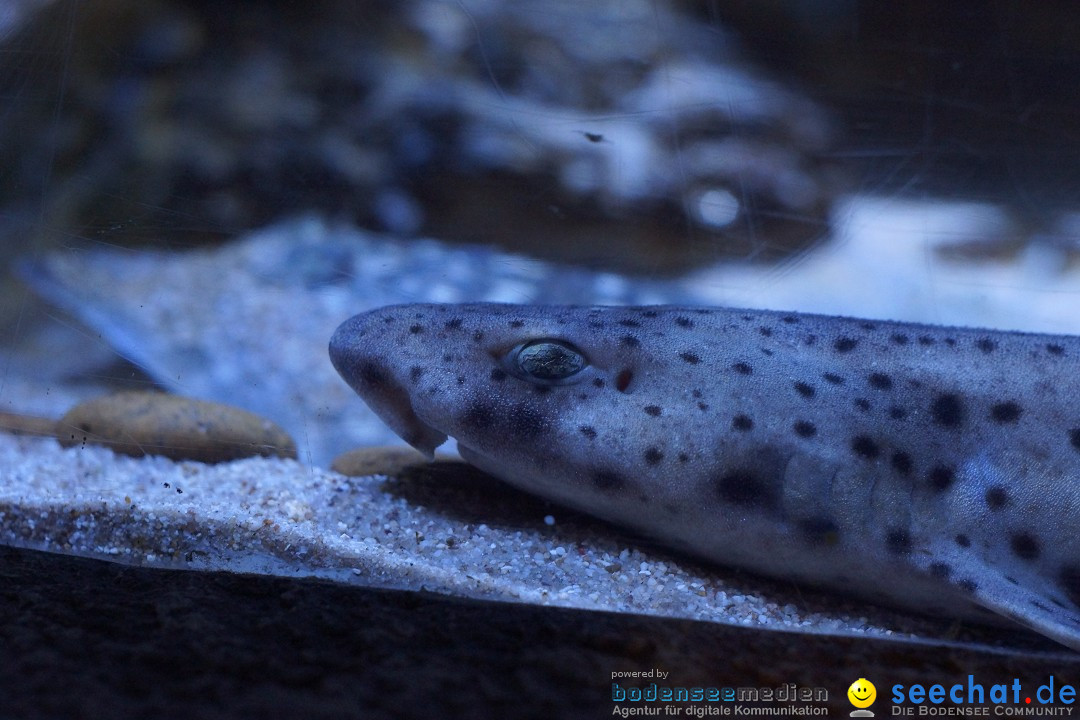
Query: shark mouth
{"points": [[392, 404], [377, 385]]}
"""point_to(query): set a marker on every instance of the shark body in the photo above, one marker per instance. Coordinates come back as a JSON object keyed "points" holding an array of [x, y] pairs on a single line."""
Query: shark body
{"points": [[928, 467]]}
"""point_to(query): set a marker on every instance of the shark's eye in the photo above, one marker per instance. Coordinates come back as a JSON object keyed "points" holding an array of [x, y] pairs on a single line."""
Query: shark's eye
{"points": [[549, 362]]}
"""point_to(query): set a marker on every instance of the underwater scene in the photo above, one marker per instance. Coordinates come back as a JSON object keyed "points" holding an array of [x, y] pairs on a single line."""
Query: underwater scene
{"points": [[480, 358]]}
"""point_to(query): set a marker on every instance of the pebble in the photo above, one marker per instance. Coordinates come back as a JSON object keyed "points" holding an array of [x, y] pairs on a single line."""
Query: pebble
{"points": [[139, 423], [390, 461]]}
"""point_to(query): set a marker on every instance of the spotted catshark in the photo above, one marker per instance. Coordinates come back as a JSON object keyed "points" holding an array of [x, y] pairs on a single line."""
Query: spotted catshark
{"points": [[929, 467]]}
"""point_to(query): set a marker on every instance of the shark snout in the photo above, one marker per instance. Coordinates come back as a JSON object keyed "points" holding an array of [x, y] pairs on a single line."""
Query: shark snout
{"points": [[359, 352]]}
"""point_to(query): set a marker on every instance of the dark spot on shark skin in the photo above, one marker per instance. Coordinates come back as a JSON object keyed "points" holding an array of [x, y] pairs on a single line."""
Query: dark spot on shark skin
{"points": [[804, 389], [996, 498], [863, 404], [1074, 438], [1025, 546], [1069, 578], [453, 324], [1055, 349], [897, 413], [868, 326], [747, 490], [684, 322], [845, 344], [898, 541], [865, 447], [498, 375], [588, 431], [986, 345], [627, 322], [460, 379], [1006, 412], [690, 358], [963, 540], [819, 531], [517, 324], [881, 381], [833, 378], [416, 329], [630, 341], [902, 462], [653, 456], [790, 320], [648, 313], [653, 410], [926, 340], [948, 410], [743, 423], [478, 336], [478, 415], [607, 481], [805, 429], [527, 422], [683, 457], [940, 570], [941, 477], [598, 382], [742, 368], [703, 406], [968, 586], [765, 331], [899, 339], [696, 394], [415, 374]]}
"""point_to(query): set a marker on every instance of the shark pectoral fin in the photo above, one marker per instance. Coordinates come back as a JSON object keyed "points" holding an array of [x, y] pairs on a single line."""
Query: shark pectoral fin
{"points": [[1027, 606]]}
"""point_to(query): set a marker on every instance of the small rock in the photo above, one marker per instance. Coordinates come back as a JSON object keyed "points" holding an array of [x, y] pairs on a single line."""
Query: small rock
{"points": [[18, 424], [389, 461], [151, 423]]}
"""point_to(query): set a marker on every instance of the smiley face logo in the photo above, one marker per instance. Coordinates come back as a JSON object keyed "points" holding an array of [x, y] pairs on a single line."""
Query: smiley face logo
{"points": [[862, 693]]}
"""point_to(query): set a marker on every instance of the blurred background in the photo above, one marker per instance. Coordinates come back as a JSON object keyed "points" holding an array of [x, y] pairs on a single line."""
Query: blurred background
{"points": [[194, 193]]}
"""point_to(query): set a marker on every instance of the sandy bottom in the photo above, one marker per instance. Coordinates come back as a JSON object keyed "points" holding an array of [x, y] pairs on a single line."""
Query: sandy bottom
{"points": [[443, 528]]}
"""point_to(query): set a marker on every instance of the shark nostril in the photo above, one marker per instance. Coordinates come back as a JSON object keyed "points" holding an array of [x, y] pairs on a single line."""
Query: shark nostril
{"points": [[371, 373], [622, 380]]}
